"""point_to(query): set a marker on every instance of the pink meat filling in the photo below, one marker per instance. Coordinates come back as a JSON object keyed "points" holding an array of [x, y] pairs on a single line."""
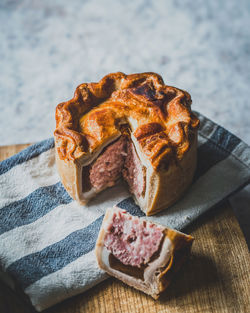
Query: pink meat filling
{"points": [[106, 170], [131, 240], [134, 172], [119, 158]]}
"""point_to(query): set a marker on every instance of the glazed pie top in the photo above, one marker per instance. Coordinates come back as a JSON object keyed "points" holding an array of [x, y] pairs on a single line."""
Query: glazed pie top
{"points": [[158, 116]]}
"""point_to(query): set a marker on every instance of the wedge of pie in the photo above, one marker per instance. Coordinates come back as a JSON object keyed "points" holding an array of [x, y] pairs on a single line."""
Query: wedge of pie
{"points": [[142, 254], [132, 127]]}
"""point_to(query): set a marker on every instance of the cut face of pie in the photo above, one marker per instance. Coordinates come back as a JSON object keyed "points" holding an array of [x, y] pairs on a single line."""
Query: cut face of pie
{"points": [[142, 254], [131, 127]]}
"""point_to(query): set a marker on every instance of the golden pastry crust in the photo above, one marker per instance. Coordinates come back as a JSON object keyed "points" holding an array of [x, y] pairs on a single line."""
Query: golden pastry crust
{"points": [[159, 116]]}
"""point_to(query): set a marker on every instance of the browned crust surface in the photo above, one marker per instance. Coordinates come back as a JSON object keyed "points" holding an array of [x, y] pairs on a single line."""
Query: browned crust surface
{"points": [[165, 122], [182, 244]]}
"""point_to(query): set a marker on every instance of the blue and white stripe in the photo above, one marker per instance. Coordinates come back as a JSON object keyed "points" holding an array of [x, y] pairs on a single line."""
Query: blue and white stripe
{"points": [[47, 239]]}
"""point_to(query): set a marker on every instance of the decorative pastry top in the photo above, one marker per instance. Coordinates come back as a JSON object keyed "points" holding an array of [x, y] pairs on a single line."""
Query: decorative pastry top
{"points": [[159, 117]]}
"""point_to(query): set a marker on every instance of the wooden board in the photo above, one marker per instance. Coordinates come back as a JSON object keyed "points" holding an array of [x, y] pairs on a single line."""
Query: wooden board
{"points": [[215, 279]]}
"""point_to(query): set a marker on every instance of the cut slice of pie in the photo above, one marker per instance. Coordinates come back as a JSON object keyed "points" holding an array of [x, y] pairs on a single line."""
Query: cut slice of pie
{"points": [[132, 127], [142, 254]]}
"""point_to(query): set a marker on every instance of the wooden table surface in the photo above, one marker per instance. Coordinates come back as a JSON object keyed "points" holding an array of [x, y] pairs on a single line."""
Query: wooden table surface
{"points": [[215, 279]]}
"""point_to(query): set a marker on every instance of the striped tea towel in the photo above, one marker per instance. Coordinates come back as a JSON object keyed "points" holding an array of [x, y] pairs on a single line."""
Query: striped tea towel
{"points": [[47, 239]]}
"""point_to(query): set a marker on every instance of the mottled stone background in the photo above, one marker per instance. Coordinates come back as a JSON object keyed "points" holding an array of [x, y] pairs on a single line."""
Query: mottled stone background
{"points": [[49, 47]]}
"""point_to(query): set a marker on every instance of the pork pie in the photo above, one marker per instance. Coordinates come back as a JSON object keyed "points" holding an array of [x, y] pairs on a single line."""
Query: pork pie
{"points": [[142, 254], [130, 126]]}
